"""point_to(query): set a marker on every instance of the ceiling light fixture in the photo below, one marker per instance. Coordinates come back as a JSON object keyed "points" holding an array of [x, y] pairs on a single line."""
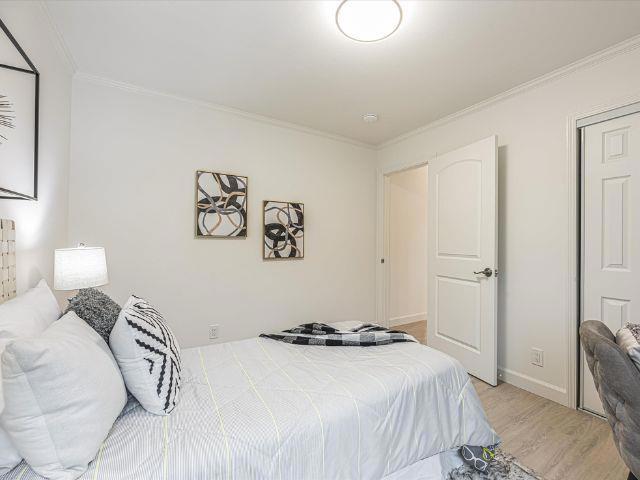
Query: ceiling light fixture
{"points": [[370, 118], [368, 20]]}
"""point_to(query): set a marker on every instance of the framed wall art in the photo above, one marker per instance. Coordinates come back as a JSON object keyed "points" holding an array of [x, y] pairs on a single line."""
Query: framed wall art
{"points": [[283, 230], [221, 205], [19, 98]]}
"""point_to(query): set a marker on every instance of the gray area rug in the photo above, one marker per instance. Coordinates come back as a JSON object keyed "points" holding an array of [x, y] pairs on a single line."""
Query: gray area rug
{"points": [[504, 467]]}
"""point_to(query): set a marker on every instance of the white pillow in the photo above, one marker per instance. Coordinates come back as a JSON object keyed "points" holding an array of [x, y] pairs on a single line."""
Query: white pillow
{"points": [[24, 316], [63, 392], [148, 355], [9, 456], [628, 338], [28, 314]]}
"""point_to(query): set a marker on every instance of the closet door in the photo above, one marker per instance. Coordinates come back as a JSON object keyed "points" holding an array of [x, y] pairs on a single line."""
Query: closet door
{"points": [[611, 231]]}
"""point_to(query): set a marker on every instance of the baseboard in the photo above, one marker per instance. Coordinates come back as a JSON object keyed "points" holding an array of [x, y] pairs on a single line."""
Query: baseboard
{"points": [[535, 386], [414, 317]]}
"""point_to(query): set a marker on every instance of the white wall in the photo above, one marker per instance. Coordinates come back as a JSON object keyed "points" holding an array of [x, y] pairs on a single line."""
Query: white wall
{"points": [[134, 158], [534, 207], [407, 214], [42, 226]]}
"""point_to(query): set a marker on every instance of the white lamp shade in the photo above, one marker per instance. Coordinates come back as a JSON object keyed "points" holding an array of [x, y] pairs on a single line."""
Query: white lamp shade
{"points": [[82, 267]]}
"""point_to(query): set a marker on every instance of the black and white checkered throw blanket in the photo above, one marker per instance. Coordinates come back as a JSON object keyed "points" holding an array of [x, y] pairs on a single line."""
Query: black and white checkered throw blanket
{"points": [[365, 335]]}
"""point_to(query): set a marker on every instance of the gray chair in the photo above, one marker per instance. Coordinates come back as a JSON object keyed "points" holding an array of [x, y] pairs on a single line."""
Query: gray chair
{"points": [[618, 382]]}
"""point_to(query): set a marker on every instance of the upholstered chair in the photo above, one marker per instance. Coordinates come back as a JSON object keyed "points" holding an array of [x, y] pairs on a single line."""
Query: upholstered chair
{"points": [[617, 380]]}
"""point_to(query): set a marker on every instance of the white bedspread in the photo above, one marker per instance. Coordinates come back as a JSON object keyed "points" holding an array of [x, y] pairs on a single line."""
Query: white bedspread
{"points": [[261, 409]]}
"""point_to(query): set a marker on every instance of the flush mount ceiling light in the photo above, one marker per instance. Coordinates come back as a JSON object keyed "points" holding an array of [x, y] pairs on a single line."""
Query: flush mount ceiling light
{"points": [[370, 118], [368, 20]]}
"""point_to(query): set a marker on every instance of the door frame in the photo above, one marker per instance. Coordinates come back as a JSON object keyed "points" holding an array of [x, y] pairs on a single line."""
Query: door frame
{"points": [[382, 235], [574, 284]]}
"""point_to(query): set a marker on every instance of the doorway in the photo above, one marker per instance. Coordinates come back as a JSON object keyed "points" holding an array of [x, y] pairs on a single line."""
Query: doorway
{"points": [[406, 197], [610, 159], [462, 254]]}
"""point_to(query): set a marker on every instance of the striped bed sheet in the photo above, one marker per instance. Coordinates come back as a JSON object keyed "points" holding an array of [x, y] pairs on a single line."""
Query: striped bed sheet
{"points": [[262, 409]]}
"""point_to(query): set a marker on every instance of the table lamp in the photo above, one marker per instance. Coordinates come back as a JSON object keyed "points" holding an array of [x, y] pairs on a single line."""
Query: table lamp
{"points": [[80, 267]]}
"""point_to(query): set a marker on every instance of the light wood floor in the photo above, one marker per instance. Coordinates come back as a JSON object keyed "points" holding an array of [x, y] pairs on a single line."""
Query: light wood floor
{"points": [[417, 329], [557, 442]]}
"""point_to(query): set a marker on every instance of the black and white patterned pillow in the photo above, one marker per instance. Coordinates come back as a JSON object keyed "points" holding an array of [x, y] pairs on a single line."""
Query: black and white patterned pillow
{"points": [[148, 355]]}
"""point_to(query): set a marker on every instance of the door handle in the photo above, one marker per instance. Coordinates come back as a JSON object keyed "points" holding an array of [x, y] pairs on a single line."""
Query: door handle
{"points": [[487, 272]]}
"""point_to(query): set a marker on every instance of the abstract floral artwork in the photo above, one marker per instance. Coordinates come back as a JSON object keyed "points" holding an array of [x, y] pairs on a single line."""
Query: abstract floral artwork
{"points": [[283, 230], [6, 118], [221, 205]]}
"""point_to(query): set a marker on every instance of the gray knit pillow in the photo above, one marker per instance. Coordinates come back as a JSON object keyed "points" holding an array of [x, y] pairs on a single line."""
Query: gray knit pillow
{"points": [[97, 309]]}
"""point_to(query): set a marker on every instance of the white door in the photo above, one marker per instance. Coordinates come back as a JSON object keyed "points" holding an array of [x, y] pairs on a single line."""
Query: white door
{"points": [[611, 231], [463, 256]]}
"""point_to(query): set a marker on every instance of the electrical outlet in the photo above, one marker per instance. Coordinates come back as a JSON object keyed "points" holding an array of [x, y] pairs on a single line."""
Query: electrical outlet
{"points": [[537, 357], [213, 331]]}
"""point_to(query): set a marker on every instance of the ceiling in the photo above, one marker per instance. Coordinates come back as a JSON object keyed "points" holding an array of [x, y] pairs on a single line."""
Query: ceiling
{"points": [[288, 61]]}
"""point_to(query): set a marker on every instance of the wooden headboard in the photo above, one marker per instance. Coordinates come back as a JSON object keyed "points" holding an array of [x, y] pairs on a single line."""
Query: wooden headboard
{"points": [[7, 259]]}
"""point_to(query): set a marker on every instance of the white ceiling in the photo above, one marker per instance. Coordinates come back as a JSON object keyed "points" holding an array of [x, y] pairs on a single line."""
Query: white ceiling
{"points": [[287, 60]]}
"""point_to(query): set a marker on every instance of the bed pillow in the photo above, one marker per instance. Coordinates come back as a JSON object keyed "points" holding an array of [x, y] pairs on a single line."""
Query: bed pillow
{"points": [[63, 392], [27, 315], [628, 338], [9, 456], [97, 309], [148, 355]]}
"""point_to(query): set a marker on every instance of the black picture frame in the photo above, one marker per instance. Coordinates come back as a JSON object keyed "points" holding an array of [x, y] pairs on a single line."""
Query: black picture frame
{"points": [[4, 192]]}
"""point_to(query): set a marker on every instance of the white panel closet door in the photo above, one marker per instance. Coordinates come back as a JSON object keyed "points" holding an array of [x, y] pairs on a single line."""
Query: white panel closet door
{"points": [[462, 244], [611, 235]]}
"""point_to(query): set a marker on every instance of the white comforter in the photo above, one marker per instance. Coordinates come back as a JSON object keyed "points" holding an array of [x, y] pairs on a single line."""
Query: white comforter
{"points": [[261, 409]]}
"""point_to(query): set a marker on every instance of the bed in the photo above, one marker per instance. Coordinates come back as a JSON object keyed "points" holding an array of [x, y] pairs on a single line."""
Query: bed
{"points": [[262, 409]]}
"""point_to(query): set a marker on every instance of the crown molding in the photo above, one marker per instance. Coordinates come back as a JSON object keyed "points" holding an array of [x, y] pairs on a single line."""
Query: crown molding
{"points": [[60, 42], [108, 82], [602, 56], [586, 62]]}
